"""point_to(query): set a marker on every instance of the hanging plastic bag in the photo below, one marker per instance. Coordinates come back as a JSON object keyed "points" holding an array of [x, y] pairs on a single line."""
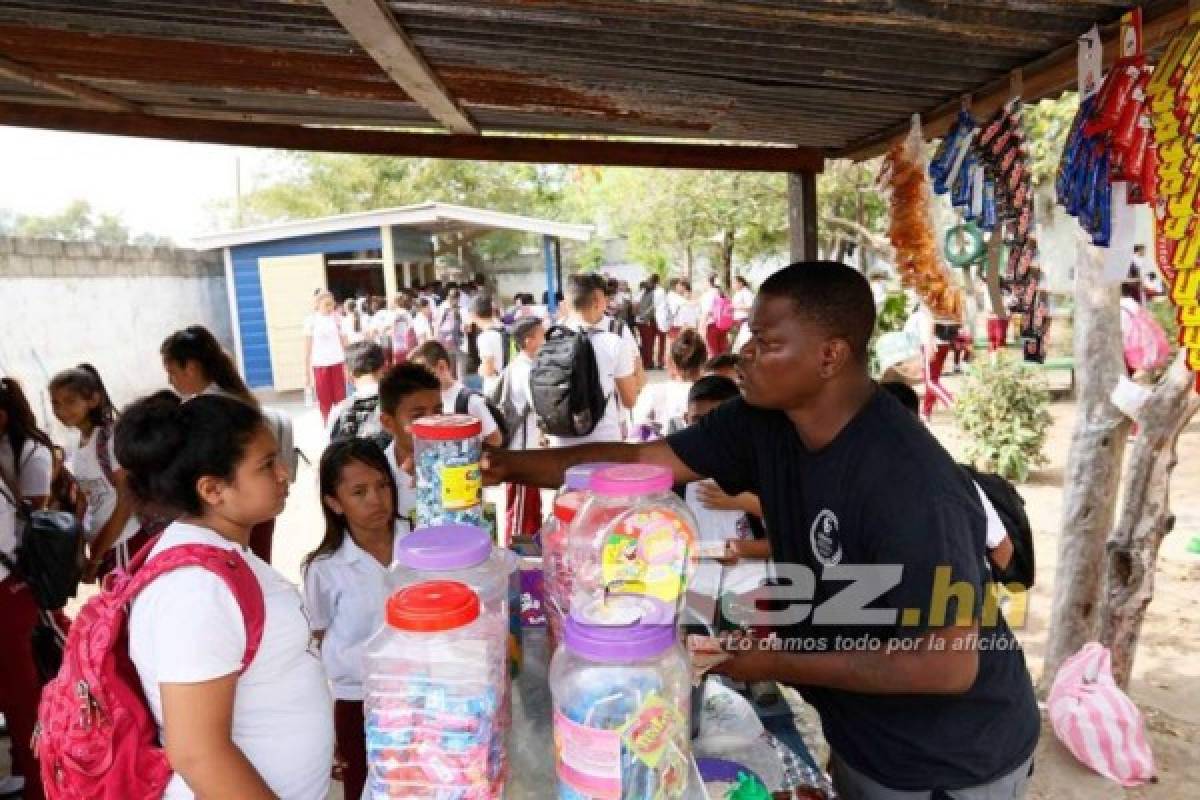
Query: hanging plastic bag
{"points": [[1096, 721], [1146, 345]]}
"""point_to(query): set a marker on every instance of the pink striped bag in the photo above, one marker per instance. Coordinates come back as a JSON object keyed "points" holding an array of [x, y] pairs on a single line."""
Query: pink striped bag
{"points": [[1098, 722]]}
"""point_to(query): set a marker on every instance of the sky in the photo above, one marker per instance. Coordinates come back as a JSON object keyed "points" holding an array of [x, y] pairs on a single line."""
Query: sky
{"points": [[155, 186]]}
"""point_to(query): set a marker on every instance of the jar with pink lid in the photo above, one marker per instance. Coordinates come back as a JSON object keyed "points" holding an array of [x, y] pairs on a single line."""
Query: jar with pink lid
{"points": [[632, 536]]}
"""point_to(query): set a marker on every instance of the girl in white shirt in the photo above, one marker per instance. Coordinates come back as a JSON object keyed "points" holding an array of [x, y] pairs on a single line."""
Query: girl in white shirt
{"points": [[26, 456], [81, 401], [325, 355], [352, 322], [345, 583], [196, 364], [258, 731], [661, 407]]}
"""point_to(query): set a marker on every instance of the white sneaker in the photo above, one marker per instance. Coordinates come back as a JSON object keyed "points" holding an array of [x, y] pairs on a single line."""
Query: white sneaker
{"points": [[12, 785]]}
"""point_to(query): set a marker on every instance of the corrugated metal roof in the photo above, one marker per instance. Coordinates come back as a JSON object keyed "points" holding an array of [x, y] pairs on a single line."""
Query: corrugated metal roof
{"points": [[829, 74]]}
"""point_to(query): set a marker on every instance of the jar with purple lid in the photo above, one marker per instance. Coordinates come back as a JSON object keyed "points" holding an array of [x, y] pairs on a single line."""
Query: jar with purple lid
{"points": [[620, 685], [633, 536]]}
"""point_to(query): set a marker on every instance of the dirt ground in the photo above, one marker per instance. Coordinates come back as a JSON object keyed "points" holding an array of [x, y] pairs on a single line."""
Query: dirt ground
{"points": [[1166, 682]]}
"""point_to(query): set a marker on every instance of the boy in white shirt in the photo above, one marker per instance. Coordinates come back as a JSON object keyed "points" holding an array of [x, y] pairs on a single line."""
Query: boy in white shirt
{"points": [[358, 414], [437, 359], [422, 320], [491, 342], [616, 356], [523, 503], [407, 392]]}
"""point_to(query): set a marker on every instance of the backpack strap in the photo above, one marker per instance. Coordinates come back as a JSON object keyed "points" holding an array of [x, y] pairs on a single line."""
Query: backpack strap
{"points": [[228, 565], [106, 466], [462, 401]]}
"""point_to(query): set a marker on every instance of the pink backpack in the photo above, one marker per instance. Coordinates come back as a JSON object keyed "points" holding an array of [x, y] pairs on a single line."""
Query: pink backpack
{"points": [[1098, 722], [96, 737], [722, 313], [1146, 343]]}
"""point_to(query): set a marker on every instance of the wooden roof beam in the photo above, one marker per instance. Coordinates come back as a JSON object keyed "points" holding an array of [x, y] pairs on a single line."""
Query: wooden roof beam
{"points": [[372, 25], [93, 98], [1045, 77], [533, 150]]}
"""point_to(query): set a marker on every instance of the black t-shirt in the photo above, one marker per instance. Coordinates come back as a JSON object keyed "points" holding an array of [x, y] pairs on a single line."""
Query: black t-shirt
{"points": [[884, 492]]}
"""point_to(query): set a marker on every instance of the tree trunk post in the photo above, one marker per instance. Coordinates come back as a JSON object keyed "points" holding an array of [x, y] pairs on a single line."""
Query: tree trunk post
{"points": [[1146, 516], [1093, 472], [802, 216]]}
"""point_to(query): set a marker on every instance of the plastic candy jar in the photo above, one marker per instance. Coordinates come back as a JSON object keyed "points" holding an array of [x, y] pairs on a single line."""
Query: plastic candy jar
{"points": [[446, 454], [556, 569]]}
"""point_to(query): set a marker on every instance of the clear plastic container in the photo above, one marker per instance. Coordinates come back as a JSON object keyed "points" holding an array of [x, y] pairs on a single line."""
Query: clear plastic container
{"points": [[446, 454], [633, 536], [556, 584], [620, 684], [435, 683]]}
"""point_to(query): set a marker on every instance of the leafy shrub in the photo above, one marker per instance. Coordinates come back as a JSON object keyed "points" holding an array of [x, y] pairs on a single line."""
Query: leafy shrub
{"points": [[1002, 408]]}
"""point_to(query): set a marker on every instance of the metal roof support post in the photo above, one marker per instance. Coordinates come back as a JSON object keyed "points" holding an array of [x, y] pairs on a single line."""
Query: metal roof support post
{"points": [[550, 254], [802, 215]]}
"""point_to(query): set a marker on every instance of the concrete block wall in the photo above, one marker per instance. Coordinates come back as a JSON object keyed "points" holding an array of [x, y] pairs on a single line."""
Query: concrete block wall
{"points": [[66, 302]]}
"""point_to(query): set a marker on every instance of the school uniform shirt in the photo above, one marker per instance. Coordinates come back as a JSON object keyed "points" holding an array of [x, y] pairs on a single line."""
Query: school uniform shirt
{"points": [[101, 494], [399, 332], [422, 328], [743, 299], [326, 343], [476, 407], [8, 529], [660, 404], [707, 299], [711, 578], [883, 492], [662, 309], [347, 324], [616, 357], [519, 370], [406, 489], [186, 627], [345, 593], [687, 313], [36, 466], [490, 344]]}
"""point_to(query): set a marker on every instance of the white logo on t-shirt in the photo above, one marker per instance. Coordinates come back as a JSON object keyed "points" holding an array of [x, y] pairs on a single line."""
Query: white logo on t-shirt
{"points": [[823, 538]]}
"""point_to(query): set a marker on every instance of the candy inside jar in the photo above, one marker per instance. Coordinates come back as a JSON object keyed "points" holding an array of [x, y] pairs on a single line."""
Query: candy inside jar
{"points": [[620, 686], [446, 453]]}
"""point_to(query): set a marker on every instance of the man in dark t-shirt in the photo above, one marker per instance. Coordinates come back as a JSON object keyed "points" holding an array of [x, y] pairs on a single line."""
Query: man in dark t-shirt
{"points": [[922, 689]]}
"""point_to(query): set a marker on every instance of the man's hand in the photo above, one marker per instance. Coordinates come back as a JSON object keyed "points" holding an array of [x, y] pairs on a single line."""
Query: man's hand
{"points": [[749, 666]]}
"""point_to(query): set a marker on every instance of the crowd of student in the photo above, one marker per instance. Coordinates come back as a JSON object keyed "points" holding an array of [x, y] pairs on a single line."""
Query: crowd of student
{"points": [[209, 459]]}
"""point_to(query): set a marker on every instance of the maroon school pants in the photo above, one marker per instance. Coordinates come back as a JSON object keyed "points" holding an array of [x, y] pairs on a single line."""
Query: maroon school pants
{"points": [[349, 730], [716, 339], [19, 685], [329, 383]]}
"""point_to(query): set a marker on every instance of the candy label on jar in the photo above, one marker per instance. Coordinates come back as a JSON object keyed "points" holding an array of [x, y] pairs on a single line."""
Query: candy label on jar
{"points": [[651, 730], [461, 487], [589, 759], [647, 552]]}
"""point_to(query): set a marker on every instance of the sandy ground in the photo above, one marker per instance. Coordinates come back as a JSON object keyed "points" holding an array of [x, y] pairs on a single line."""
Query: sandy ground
{"points": [[1165, 684]]}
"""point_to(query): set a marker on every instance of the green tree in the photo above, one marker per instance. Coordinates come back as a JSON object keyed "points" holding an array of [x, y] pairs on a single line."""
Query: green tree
{"points": [[77, 222]]}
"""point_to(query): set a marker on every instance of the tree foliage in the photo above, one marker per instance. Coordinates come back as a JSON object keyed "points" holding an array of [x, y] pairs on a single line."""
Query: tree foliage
{"points": [[77, 222]]}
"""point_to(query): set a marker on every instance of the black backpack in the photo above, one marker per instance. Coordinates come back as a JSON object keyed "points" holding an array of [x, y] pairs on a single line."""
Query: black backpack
{"points": [[1011, 507], [565, 382], [361, 420], [50, 552], [461, 406]]}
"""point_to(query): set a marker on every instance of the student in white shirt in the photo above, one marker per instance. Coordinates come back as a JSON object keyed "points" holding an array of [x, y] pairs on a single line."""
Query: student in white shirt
{"points": [[407, 392], [402, 333], [686, 309], [661, 407], [422, 321], [80, 401], [437, 359], [490, 341], [27, 478], [325, 355], [32, 471], [196, 364], [230, 730], [743, 301], [523, 515], [345, 584], [353, 327], [358, 414], [616, 357]]}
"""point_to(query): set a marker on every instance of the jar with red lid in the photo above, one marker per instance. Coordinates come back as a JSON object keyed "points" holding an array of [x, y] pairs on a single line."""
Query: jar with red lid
{"points": [[435, 685], [446, 453]]}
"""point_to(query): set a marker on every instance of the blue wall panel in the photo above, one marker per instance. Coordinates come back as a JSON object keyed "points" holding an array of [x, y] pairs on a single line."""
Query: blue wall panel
{"points": [[256, 350]]}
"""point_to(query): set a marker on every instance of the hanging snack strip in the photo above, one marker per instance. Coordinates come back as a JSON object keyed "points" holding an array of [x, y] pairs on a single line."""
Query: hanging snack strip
{"points": [[918, 258], [986, 172], [1173, 97]]}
